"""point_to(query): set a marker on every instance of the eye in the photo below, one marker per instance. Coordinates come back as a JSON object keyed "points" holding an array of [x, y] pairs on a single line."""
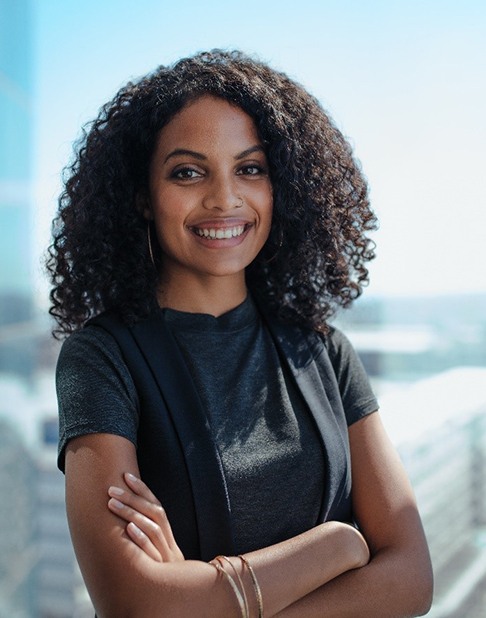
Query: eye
{"points": [[251, 170], [185, 173]]}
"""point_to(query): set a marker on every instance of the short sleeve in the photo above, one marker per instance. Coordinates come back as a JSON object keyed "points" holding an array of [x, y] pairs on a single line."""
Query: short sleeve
{"points": [[95, 391], [356, 393]]}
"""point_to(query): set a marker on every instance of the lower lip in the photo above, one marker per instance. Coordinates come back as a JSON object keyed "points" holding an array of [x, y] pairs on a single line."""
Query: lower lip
{"points": [[221, 243]]}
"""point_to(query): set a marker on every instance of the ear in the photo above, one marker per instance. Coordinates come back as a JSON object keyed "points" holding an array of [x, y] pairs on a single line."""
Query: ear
{"points": [[142, 204]]}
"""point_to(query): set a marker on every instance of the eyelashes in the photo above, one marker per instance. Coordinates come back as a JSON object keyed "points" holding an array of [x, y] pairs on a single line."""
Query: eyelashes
{"points": [[192, 173], [185, 173], [252, 170]]}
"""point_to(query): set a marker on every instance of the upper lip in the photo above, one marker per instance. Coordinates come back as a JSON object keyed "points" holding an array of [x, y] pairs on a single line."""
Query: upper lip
{"points": [[220, 223]]}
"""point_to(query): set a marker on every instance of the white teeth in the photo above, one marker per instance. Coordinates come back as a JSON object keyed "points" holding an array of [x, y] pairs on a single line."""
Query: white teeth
{"points": [[219, 233]]}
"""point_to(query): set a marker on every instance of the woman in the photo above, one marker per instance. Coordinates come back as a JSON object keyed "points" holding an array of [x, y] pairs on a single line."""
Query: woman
{"points": [[212, 222]]}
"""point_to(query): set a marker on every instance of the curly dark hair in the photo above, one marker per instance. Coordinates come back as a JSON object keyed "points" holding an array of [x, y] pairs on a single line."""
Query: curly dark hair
{"points": [[314, 259]]}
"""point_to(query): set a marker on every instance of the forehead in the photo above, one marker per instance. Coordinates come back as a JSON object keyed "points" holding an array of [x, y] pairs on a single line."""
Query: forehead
{"points": [[209, 121]]}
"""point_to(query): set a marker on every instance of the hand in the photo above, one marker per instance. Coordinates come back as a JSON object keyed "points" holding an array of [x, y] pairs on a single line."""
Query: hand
{"points": [[147, 525]]}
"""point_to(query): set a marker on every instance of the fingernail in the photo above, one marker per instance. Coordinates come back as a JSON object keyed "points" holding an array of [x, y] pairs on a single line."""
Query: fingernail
{"points": [[115, 491], [131, 477], [116, 503]]}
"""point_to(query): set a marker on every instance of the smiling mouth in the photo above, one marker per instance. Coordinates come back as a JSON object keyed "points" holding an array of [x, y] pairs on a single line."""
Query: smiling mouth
{"points": [[220, 233]]}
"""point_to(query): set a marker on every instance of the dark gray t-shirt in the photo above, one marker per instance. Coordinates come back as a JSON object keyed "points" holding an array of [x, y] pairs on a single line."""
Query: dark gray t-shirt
{"points": [[270, 450]]}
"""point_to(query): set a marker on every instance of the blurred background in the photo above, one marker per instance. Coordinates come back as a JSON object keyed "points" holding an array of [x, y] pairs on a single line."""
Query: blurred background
{"points": [[405, 80]]}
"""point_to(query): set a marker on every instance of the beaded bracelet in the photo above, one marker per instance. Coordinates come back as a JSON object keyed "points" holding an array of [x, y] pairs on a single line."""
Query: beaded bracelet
{"points": [[256, 585]]}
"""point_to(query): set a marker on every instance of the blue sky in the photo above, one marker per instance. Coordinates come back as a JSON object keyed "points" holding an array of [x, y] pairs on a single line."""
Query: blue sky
{"points": [[404, 79]]}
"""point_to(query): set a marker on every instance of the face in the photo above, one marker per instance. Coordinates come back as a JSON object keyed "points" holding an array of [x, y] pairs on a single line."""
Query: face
{"points": [[210, 194]]}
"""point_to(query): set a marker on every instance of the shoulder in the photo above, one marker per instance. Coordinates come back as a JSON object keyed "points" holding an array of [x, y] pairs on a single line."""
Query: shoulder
{"points": [[338, 346], [91, 342], [356, 392], [95, 390], [334, 339], [91, 358], [334, 343]]}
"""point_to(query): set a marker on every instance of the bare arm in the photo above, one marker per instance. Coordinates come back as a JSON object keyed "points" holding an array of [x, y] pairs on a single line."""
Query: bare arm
{"points": [[124, 581], [397, 582]]}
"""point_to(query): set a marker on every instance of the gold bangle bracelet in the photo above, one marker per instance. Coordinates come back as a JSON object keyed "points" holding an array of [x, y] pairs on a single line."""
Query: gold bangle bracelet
{"points": [[238, 577], [237, 593], [256, 585]]}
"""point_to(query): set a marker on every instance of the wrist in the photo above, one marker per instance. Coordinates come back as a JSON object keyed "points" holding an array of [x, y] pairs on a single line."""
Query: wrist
{"points": [[251, 592]]}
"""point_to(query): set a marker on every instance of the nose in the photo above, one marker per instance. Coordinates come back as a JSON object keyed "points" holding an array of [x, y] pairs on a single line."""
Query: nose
{"points": [[222, 194]]}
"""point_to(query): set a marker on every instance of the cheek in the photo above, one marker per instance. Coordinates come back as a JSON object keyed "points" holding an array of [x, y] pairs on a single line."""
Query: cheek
{"points": [[168, 209], [265, 226], [269, 211], [267, 218]]}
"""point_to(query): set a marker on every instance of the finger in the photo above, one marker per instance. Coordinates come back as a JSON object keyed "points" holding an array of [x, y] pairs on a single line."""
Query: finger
{"points": [[143, 541], [139, 487], [149, 508], [150, 528], [153, 511]]}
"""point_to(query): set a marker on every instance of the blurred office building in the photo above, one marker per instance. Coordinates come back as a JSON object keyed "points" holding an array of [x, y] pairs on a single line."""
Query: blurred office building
{"points": [[15, 155], [17, 530], [59, 588], [439, 427], [427, 362], [39, 577], [17, 469], [401, 340], [37, 566], [16, 123]]}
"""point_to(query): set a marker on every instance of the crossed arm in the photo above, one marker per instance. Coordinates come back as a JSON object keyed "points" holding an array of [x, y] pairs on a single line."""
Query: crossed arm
{"points": [[133, 567]]}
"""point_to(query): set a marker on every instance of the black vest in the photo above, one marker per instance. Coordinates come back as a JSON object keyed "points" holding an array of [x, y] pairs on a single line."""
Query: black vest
{"points": [[176, 454]]}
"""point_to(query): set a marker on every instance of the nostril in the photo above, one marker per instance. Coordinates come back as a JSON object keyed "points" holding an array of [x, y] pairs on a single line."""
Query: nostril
{"points": [[223, 204], [222, 194]]}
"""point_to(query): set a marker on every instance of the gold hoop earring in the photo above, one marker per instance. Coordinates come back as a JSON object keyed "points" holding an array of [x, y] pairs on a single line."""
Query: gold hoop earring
{"points": [[149, 242], [279, 246]]}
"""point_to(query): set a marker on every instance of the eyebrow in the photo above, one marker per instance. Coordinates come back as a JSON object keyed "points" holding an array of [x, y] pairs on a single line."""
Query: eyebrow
{"points": [[197, 155], [183, 151], [249, 151]]}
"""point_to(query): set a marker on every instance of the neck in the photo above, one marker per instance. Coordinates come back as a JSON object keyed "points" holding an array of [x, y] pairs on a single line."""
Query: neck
{"points": [[211, 295]]}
